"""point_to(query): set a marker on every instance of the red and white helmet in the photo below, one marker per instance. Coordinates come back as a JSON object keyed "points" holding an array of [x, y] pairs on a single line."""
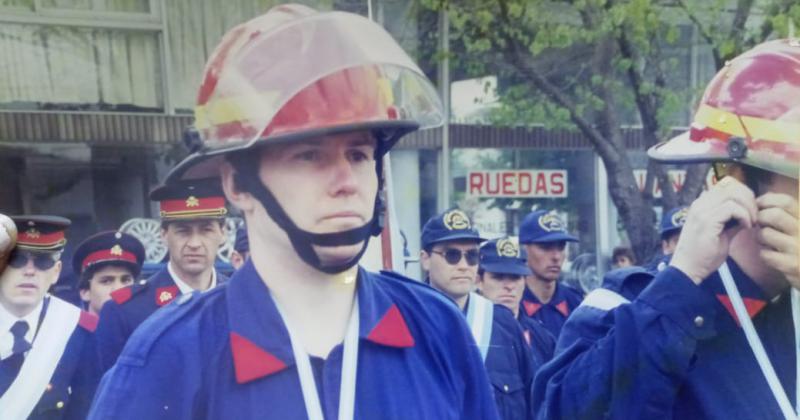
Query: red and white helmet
{"points": [[294, 73], [749, 113]]}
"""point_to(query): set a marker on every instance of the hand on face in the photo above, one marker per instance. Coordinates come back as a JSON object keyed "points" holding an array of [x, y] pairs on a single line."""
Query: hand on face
{"points": [[705, 241], [8, 238], [779, 234]]}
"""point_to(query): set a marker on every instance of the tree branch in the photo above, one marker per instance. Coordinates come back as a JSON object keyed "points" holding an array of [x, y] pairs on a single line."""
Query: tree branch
{"points": [[704, 33]]}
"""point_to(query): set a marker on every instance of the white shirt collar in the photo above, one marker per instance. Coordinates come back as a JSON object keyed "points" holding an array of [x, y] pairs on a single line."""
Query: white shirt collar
{"points": [[183, 286], [7, 319]]}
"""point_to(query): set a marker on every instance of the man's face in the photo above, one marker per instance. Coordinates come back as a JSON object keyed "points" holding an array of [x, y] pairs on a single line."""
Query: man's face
{"points": [[23, 285], [622, 261], [238, 259], [669, 243], [501, 288], [454, 280], [326, 185], [104, 281], [545, 259], [193, 244]]}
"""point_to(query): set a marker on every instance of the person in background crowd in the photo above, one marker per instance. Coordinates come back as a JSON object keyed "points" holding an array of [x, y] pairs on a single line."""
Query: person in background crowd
{"points": [[241, 249], [714, 335], [192, 226], [670, 231], [47, 354], [546, 299], [622, 257], [295, 114], [501, 279], [106, 262], [450, 256]]}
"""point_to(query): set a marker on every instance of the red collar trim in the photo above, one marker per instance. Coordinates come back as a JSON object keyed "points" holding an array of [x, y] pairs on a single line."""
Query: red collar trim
{"points": [[392, 330], [251, 361], [753, 306], [166, 294], [531, 307]]}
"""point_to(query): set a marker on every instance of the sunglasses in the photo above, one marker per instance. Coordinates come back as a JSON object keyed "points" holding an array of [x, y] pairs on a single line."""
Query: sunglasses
{"points": [[453, 256], [42, 261], [754, 178]]}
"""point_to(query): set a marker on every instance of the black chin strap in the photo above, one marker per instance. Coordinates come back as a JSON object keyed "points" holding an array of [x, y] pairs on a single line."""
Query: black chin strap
{"points": [[303, 241]]}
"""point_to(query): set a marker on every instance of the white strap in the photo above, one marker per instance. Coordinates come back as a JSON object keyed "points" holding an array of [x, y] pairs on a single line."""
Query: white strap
{"points": [[347, 391], [604, 299], [480, 315], [40, 363], [755, 343], [796, 319]]}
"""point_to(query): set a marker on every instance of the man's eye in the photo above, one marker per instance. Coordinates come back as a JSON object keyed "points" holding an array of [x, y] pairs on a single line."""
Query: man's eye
{"points": [[308, 155], [359, 156]]}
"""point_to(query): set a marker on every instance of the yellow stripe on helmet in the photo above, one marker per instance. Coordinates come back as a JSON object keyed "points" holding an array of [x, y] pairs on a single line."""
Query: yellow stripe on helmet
{"points": [[757, 128]]}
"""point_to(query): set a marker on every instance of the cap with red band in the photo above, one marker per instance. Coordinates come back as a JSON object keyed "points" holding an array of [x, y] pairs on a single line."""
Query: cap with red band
{"points": [[196, 199], [106, 248], [41, 233]]}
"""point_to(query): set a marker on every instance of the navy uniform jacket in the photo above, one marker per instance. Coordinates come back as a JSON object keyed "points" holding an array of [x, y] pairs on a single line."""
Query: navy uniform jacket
{"points": [[226, 354], [71, 388], [675, 351], [541, 342], [510, 366], [553, 313], [128, 308]]}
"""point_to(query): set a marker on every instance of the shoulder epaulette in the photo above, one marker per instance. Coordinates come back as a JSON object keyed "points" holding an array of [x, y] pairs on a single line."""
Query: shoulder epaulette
{"points": [[88, 321]]}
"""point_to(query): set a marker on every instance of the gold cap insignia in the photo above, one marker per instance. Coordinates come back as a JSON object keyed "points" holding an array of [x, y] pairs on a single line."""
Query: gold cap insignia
{"points": [[32, 233], [456, 220], [116, 250], [507, 248], [192, 201], [551, 222], [679, 218]]}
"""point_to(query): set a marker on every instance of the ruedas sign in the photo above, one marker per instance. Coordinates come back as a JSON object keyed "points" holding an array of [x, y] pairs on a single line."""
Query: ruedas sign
{"points": [[530, 183]]}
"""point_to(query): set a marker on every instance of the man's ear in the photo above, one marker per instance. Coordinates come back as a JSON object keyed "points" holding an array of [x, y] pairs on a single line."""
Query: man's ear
{"points": [[85, 295], [240, 199], [424, 260]]}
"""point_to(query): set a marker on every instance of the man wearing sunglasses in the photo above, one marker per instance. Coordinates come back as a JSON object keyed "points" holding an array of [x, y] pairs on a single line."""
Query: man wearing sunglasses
{"points": [[450, 256], [193, 229], [715, 334], [546, 300], [47, 353]]}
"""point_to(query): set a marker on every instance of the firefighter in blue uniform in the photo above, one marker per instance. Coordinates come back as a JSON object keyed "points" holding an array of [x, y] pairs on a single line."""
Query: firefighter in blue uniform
{"points": [[712, 335], [450, 256], [296, 113], [501, 279], [670, 231], [105, 262], [47, 368], [547, 300], [192, 226]]}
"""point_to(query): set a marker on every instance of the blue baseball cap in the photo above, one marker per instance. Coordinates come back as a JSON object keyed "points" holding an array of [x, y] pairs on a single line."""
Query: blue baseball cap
{"points": [[673, 220], [241, 243], [543, 226], [452, 225], [503, 256]]}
